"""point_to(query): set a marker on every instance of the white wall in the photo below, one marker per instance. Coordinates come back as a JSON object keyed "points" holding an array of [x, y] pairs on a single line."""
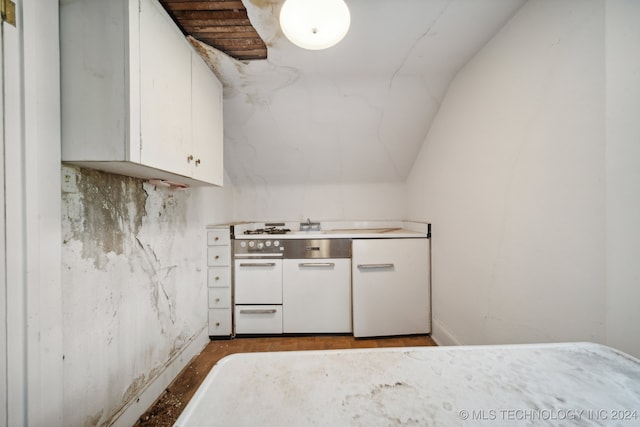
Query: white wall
{"points": [[623, 174], [320, 202], [133, 278], [31, 136], [512, 175]]}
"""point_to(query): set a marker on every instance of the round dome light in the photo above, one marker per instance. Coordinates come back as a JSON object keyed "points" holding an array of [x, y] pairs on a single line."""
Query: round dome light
{"points": [[315, 24]]}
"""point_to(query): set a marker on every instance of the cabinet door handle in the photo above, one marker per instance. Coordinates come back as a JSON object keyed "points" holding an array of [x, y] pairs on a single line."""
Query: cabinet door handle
{"points": [[258, 311], [370, 266], [189, 158], [316, 264], [197, 162], [257, 264]]}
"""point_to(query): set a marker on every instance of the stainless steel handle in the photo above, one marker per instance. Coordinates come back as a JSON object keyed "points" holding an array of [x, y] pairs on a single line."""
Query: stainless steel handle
{"points": [[258, 311], [365, 266], [316, 264], [258, 264], [313, 248]]}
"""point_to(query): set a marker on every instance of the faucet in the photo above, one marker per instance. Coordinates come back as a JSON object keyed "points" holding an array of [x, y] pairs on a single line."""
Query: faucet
{"points": [[308, 225]]}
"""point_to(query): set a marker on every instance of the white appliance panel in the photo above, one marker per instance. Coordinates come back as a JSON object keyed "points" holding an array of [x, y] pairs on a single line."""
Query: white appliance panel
{"points": [[390, 287], [258, 319], [258, 281], [317, 296]]}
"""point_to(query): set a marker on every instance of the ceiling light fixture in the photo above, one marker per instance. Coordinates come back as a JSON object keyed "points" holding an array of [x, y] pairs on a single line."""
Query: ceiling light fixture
{"points": [[315, 24]]}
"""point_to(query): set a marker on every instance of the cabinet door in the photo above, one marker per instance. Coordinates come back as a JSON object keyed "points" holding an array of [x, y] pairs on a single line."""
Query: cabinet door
{"points": [[316, 296], [165, 92], [206, 123], [390, 287]]}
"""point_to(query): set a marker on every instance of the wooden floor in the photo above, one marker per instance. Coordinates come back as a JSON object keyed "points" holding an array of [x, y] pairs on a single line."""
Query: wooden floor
{"points": [[169, 406]]}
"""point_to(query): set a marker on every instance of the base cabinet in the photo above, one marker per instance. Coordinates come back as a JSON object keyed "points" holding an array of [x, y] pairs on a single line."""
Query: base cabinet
{"points": [[219, 295], [390, 279]]}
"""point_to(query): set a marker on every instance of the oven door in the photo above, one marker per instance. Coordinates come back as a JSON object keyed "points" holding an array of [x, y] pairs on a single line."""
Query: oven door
{"points": [[258, 281]]}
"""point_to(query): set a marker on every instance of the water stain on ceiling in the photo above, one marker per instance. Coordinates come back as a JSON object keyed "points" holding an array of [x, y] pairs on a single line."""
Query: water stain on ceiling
{"points": [[356, 113]]}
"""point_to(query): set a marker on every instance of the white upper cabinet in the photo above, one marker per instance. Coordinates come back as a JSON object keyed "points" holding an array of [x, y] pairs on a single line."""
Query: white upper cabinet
{"points": [[136, 98], [165, 92], [207, 132]]}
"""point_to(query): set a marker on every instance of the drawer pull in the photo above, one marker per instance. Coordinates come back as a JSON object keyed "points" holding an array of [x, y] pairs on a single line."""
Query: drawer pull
{"points": [[316, 264], [216, 238], [217, 278], [257, 264], [258, 311], [217, 299], [371, 266], [217, 323]]}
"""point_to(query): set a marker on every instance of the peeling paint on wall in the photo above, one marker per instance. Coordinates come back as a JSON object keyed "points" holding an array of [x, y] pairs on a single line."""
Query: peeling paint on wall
{"points": [[106, 209], [134, 288]]}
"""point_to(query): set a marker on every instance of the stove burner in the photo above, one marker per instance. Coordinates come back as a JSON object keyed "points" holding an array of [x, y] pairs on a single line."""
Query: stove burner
{"points": [[268, 230]]}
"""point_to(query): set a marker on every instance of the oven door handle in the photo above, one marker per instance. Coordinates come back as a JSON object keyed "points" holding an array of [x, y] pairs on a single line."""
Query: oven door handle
{"points": [[257, 264]]}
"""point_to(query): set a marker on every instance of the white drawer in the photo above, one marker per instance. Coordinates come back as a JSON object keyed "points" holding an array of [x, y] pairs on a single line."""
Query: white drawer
{"points": [[218, 255], [258, 319], [218, 237], [220, 321], [219, 277], [220, 298]]}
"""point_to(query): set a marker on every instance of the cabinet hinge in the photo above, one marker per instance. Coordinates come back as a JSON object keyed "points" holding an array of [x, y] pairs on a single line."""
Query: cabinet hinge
{"points": [[8, 12]]}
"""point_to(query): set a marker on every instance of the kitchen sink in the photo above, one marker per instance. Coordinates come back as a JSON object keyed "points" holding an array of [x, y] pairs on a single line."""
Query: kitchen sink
{"points": [[310, 226]]}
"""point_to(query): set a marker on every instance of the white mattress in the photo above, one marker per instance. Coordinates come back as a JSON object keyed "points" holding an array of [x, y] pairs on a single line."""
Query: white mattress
{"points": [[545, 384]]}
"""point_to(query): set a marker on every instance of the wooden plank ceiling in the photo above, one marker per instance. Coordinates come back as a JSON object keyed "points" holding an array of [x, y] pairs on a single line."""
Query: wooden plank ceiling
{"points": [[223, 24]]}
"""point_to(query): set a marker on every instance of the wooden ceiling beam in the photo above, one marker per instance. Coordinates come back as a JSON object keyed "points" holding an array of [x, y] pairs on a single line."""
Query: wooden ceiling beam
{"points": [[203, 5], [223, 24]]}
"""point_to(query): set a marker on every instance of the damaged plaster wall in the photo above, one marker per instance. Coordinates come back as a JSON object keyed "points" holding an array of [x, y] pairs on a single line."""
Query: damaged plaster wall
{"points": [[134, 285]]}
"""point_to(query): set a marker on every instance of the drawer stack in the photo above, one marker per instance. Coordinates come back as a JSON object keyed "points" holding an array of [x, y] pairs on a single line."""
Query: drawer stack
{"points": [[219, 280]]}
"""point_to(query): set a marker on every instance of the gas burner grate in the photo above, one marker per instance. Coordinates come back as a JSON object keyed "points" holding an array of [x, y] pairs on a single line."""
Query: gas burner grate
{"points": [[268, 230]]}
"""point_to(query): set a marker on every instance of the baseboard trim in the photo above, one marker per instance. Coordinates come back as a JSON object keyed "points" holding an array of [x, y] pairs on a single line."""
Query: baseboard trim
{"points": [[442, 336], [130, 414]]}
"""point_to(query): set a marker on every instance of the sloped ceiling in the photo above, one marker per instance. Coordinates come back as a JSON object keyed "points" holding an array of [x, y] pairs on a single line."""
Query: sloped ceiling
{"points": [[357, 112]]}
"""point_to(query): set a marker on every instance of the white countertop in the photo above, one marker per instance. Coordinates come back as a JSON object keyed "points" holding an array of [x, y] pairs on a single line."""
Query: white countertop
{"points": [[351, 233], [337, 230], [539, 384]]}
